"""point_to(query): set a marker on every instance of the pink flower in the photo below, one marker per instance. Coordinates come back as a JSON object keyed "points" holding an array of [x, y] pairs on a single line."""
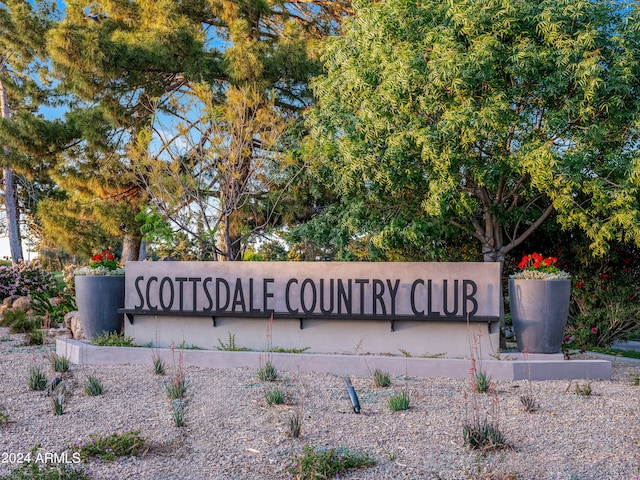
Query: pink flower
{"points": [[594, 330]]}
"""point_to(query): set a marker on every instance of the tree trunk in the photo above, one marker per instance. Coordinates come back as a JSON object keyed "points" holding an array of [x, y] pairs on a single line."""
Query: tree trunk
{"points": [[493, 250], [10, 202], [11, 209], [491, 239], [231, 197], [229, 239], [130, 248]]}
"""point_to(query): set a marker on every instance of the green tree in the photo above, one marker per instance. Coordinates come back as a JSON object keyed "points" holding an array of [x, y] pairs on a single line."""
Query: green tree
{"points": [[23, 26], [210, 180], [117, 62], [178, 80], [486, 116]]}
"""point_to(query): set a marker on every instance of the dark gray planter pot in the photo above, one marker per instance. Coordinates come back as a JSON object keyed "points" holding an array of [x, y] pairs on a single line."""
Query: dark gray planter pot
{"points": [[539, 311], [98, 299]]}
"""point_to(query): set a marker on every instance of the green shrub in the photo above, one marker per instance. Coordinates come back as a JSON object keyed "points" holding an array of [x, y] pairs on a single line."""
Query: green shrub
{"points": [[583, 389], [230, 346], [59, 363], [399, 401], [64, 303], [59, 402], [35, 337], [178, 412], [294, 425], [92, 386], [110, 447], [112, 339], [605, 303], [483, 435], [275, 397], [159, 368], [38, 471], [288, 350], [19, 322], [176, 388], [381, 379], [37, 378], [268, 373], [481, 382], [327, 462]]}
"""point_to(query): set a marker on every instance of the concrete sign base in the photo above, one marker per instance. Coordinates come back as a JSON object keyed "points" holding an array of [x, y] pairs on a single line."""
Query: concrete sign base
{"points": [[509, 367]]}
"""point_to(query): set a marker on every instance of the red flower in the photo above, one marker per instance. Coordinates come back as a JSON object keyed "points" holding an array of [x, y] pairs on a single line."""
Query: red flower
{"points": [[536, 261], [580, 284], [104, 259], [594, 330]]}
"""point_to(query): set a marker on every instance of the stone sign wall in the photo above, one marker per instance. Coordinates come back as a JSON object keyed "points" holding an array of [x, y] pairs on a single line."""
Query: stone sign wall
{"points": [[372, 303]]}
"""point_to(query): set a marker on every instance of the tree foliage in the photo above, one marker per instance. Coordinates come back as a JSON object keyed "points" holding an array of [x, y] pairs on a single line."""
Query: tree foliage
{"points": [[487, 116], [200, 87], [22, 30]]}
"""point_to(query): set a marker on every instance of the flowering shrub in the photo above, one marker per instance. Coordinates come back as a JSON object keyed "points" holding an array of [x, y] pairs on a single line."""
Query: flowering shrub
{"points": [[31, 277], [104, 259], [605, 308], [104, 263], [25, 279], [68, 275], [605, 298], [579, 337], [8, 277], [537, 267]]}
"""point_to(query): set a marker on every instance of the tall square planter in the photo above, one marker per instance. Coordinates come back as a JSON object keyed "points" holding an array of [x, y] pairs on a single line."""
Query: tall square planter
{"points": [[539, 311], [98, 299]]}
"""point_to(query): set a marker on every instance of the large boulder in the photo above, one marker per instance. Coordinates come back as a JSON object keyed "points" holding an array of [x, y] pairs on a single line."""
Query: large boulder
{"points": [[21, 303], [7, 303], [72, 322]]}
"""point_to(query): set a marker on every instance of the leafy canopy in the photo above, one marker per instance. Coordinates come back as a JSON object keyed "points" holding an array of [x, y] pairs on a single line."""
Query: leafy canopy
{"points": [[487, 115]]}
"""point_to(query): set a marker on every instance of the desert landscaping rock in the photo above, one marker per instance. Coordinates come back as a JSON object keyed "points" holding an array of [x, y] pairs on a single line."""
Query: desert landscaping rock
{"points": [[57, 333], [73, 323], [231, 432], [21, 303]]}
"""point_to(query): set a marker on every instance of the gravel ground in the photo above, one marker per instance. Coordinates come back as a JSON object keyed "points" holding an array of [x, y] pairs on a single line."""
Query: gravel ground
{"points": [[231, 432]]}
